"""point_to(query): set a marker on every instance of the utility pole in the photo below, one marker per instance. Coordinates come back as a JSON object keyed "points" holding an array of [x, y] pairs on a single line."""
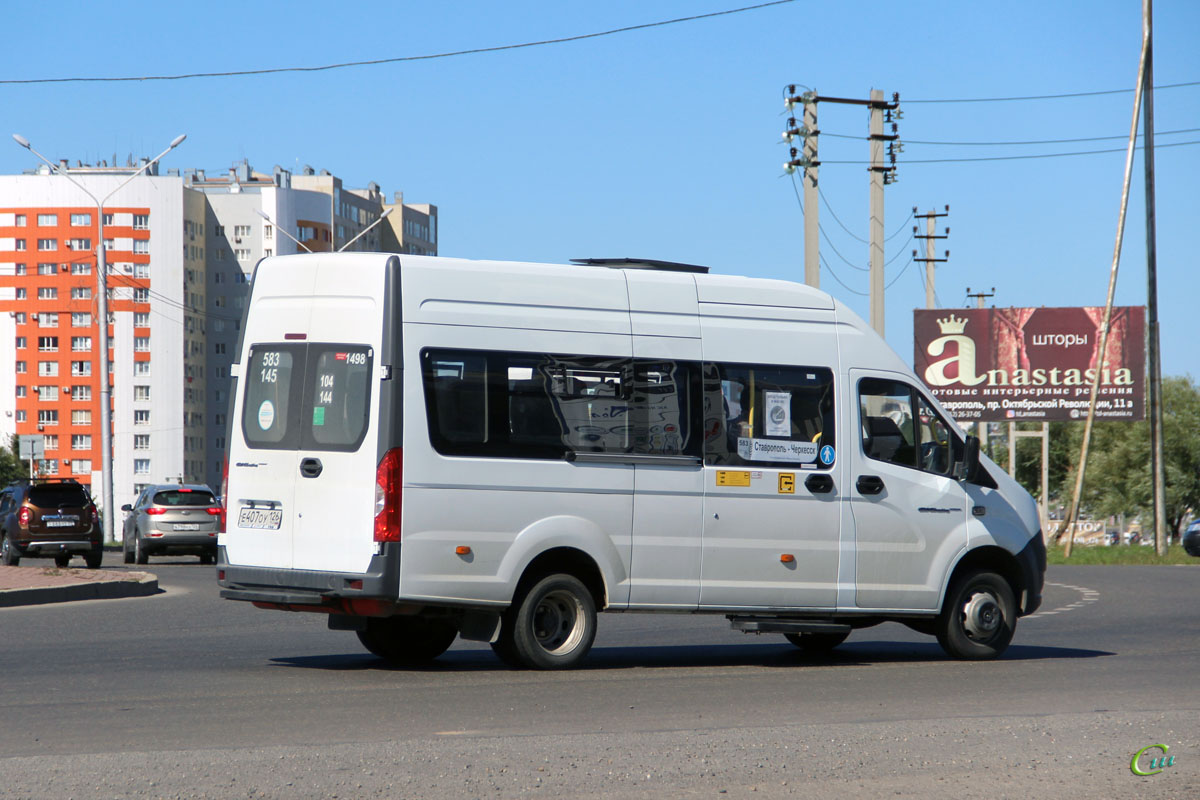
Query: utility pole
{"points": [[984, 427], [881, 112], [807, 132], [1158, 479], [929, 236]]}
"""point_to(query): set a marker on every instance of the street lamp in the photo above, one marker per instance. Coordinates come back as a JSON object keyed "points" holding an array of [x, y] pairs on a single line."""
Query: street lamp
{"points": [[382, 217], [102, 322]]}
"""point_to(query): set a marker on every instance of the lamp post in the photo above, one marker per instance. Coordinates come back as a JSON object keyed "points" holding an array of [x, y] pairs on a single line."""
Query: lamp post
{"points": [[102, 322], [363, 232], [279, 228]]}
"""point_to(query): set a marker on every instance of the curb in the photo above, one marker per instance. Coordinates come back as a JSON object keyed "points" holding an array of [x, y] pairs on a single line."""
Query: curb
{"points": [[95, 590]]}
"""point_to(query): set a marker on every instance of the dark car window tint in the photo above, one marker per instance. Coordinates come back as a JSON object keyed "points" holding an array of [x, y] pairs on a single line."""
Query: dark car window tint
{"points": [[175, 497], [272, 381], [55, 495], [339, 394]]}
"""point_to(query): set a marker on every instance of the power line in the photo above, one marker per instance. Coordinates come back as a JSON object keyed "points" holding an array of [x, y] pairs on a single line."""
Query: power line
{"points": [[1032, 141], [1048, 96], [1017, 158], [400, 59]]}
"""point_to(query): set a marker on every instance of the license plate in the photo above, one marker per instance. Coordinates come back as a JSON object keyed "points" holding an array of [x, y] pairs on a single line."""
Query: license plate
{"points": [[187, 526], [262, 519], [60, 523]]}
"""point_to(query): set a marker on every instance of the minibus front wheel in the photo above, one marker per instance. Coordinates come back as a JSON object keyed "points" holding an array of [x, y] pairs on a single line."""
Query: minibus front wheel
{"points": [[552, 626], [979, 617]]}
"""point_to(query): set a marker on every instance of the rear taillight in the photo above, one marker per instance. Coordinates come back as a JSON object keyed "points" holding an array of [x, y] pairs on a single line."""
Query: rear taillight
{"points": [[95, 516], [154, 512], [215, 511], [387, 497], [23, 516], [221, 516]]}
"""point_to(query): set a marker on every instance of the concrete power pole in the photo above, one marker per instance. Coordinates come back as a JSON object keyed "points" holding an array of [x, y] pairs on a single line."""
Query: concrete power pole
{"points": [[807, 132], [929, 236]]}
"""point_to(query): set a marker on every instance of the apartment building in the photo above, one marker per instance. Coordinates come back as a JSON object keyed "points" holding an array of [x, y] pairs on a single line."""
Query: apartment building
{"points": [[181, 250]]}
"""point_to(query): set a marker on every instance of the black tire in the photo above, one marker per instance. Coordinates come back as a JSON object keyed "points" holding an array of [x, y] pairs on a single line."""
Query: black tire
{"points": [[407, 641], [816, 644], [127, 554], [207, 558], [140, 555], [979, 617], [62, 561], [552, 625], [9, 555], [93, 559]]}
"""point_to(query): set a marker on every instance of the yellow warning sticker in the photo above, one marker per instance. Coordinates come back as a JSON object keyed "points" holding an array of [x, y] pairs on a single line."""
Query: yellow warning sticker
{"points": [[727, 477], [787, 483]]}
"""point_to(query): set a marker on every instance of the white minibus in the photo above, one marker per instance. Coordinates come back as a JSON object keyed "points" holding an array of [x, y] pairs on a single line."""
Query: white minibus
{"points": [[427, 448]]}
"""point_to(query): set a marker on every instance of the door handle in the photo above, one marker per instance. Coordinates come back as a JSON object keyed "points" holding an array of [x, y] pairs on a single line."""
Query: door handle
{"points": [[869, 484], [819, 483], [311, 467]]}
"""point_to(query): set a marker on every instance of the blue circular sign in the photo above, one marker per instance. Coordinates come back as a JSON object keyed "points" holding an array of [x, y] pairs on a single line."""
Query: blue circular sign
{"points": [[827, 454]]}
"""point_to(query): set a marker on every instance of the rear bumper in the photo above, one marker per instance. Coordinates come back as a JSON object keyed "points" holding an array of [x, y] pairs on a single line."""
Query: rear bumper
{"points": [[370, 593], [187, 541], [49, 547]]}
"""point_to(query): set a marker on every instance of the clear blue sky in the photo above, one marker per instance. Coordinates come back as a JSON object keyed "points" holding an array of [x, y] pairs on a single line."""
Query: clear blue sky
{"points": [[665, 142]]}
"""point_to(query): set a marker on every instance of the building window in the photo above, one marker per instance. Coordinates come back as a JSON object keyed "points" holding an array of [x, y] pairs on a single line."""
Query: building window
{"points": [[22, 294], [81, 269], [241, 254], [79, 244], [141, 441], [81, 293], [47, 320], [141, 222], [81, 393], [81, 220], [81, 466], [48, 466], [141, 270], [78, 368], [20, 415], [47, 220], [47, 416], [141, 319], [20, 269], [141, 295], [219, 348], [47, 344], [19, 221], [21, 343], [81, 344], [47, 293], [220, 230], [81, 441], [141, 246], [141, 393], [20, 367], [48, 369], [50, 442], [47, 269], [241, 230], [268, 252], [21, 391], [47, 244], [141, 368], [141, 416], [81, 416], [268, 232], [47, 394], [141, 466], [108, 219], [81, 319], [141, 344]]}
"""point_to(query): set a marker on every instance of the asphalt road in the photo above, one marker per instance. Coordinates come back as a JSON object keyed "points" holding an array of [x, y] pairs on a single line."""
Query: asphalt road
{"points": [[184, 694]]}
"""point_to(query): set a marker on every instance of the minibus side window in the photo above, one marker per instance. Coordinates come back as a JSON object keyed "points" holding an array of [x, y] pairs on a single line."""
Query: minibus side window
{"points": [[541, 405], [900, 426], [769, 415], [272, 384]]}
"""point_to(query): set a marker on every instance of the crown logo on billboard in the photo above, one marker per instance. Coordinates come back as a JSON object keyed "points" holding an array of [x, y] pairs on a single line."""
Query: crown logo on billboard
{"points": [[952, 324]]}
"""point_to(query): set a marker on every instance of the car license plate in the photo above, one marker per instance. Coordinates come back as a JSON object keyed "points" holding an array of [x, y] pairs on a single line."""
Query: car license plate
{"points": [[187, 526], [60, 523], [263, 519]]}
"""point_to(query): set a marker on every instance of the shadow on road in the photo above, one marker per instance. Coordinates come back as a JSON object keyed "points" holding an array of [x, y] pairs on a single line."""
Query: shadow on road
{"points": [[753, 655]]}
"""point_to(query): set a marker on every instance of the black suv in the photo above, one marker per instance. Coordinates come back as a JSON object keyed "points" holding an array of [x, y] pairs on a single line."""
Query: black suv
{"points": [[49, 519]]}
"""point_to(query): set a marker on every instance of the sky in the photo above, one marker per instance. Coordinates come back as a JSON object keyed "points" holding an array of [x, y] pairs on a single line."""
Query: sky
{"points": [[664, 142]]}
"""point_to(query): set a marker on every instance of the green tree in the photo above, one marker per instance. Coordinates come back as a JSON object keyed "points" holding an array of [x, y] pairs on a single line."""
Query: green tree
{"points": [[11, 465], [1118, 476]]}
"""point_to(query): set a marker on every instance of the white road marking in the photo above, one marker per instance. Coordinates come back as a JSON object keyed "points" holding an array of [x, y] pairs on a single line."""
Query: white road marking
{"points": [[1089, 596]]}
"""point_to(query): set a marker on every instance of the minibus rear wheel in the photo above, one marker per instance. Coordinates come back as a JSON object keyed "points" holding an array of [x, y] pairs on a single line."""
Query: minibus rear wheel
{"points": [[979, 617], [404, 640], [552, 626]]}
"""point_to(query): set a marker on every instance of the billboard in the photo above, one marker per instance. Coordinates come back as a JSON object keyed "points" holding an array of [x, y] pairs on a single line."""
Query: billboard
{"points": [[1013, 364]]}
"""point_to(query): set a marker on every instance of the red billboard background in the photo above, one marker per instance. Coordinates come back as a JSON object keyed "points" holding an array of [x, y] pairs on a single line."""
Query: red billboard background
{"points": [[1011, 364]]}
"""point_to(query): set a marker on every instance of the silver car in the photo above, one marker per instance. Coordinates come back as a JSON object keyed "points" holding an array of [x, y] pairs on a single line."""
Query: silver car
{"points": [[172, 519]]}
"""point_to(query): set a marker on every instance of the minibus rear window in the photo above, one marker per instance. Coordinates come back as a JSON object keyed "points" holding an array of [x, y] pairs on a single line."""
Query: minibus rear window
{"points": [[339, 392], [273, 381]]}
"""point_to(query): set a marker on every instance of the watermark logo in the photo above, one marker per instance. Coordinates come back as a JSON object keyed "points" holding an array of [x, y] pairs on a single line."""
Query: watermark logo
{"points": [[1154, 763]]}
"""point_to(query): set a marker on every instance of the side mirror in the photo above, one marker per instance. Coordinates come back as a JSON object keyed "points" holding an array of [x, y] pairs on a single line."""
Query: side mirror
{"points": [[127, 507], [968, 468]]}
